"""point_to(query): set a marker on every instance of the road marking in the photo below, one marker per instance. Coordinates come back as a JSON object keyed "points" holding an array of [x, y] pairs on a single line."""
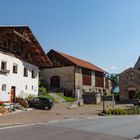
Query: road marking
{"points": [[61, 120], [52, 121], [17, 126]]}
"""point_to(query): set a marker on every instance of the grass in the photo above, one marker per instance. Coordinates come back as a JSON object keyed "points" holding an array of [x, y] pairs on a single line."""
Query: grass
{"points": [[67, 99]]}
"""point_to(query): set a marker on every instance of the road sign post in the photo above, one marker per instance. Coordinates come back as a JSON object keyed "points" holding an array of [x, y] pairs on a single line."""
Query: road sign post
{"points": [[113, 101]]}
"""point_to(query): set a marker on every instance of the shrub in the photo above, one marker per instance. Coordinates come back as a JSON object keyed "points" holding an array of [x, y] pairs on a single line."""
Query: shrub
{"points": [[22, 102], [120, 111], [42, 91], [137, 95], [30, 96], [3, 110]]}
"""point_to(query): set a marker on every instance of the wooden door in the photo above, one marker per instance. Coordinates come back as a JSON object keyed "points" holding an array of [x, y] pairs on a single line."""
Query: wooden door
{"points": [[55, 81], [12, 95]]}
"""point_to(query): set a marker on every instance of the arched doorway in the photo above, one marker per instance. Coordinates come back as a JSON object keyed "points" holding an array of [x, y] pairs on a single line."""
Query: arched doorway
{"points": [[55, 81]]}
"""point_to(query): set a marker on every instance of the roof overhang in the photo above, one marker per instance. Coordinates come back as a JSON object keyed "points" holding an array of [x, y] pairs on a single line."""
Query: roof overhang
{"points": [[25, 34]]}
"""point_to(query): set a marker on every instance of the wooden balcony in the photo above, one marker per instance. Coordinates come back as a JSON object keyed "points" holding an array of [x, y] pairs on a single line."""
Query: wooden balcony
{"points": [[3, 71]]}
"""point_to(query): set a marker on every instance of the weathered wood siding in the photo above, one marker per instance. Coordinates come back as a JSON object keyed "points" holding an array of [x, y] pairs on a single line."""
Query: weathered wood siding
{"points": [[99, 79]]}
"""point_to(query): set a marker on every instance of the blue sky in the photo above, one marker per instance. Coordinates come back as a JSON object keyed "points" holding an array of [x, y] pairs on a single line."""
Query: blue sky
{"points": [[104, 32]]}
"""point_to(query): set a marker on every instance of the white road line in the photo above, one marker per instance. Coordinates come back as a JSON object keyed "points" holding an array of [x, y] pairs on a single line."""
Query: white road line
{"points": [[61, 120], [17, 126], [52, 121]]}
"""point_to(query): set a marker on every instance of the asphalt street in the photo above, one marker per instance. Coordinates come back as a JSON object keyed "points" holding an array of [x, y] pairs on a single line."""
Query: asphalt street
{"points": [[124, 126], [97, 128]]}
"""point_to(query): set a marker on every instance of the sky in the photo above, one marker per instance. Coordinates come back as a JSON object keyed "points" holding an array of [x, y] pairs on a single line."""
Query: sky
{"points": [[104, 32]]}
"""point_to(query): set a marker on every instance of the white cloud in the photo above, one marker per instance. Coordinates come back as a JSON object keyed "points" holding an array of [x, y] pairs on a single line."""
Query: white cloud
{"points": [[112, 68]]}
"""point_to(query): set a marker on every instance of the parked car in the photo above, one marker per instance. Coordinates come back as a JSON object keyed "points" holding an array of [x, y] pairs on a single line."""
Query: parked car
{"points": [[136, 102], [41, 103]]}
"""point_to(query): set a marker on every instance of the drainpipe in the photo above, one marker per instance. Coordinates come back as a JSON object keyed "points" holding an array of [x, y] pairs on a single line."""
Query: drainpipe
{"points": [[74, 80]]}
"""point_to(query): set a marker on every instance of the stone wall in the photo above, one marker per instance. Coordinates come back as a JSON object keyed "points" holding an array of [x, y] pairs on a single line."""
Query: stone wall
{"points": [[85, 88], [71, 79], [129, 80], [79, 83], [66, 75]]}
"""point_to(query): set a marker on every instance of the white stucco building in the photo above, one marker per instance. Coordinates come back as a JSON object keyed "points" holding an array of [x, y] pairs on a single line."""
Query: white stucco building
{"points": [[21, 57]]}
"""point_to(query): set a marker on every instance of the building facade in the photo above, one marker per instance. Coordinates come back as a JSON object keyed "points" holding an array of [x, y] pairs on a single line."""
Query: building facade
{"points": [[129, 82], [21, 56], [71, 74]]}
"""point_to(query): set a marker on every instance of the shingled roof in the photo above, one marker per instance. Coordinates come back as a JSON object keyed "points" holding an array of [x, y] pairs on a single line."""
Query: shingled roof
{"points": [[80, 62]]}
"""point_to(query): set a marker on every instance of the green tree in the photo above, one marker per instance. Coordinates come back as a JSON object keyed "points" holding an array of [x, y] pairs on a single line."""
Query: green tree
{"points": [[114, 78]]}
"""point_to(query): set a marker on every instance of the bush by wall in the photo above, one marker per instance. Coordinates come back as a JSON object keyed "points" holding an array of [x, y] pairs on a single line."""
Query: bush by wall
{"points": [[42, 91], [120, 111], [22, 102]]}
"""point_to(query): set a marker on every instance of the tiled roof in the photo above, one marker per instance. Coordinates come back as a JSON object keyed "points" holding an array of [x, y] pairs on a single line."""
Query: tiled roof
{"points": [[81, 63]]}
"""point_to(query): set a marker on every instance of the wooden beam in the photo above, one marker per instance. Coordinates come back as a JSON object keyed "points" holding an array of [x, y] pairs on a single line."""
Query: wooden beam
{"points": [[21, 36]]}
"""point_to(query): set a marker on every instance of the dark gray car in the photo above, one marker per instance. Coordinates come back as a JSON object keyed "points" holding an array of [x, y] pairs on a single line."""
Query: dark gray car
{"points": [[41, 103]]}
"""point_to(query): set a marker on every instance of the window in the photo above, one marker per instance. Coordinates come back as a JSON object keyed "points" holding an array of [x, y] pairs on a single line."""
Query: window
{"points": [[36, 99], [33, 74], [32, 87], [99, 79], [15, 68], [86, 77], [4, 87], [26, 87], [25, 72], [3, 65]]}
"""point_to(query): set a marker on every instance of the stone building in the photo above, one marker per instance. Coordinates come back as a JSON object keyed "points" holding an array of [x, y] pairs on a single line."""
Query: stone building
{"points": [[21, 56], [129, 82], [70, 74]]}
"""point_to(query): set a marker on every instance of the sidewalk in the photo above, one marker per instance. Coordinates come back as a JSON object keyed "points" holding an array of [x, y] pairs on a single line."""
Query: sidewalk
{"points": [[59, 111]]}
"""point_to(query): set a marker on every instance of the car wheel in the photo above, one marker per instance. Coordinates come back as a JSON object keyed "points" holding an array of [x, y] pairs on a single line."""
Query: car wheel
{"points": [[46, 108]]}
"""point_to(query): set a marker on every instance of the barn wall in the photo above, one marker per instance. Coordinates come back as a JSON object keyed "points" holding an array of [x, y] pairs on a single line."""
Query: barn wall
{"points": [[79, 83], [66, 75]]}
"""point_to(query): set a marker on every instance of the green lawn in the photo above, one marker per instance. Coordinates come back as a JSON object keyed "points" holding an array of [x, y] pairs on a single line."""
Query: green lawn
{"points": [[67, 99]]}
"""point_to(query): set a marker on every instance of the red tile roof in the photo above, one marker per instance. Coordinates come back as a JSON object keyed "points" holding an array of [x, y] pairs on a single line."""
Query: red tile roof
{"points": [[81, 63]]}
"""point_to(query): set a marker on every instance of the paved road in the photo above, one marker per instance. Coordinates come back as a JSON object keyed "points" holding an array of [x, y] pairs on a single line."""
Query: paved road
{"points": [[124, 126], [97, 128], [44, 132]]}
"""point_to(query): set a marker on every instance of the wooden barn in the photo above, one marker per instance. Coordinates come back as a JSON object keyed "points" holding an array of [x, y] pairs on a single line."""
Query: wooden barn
{"points": [[69, 73]]}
